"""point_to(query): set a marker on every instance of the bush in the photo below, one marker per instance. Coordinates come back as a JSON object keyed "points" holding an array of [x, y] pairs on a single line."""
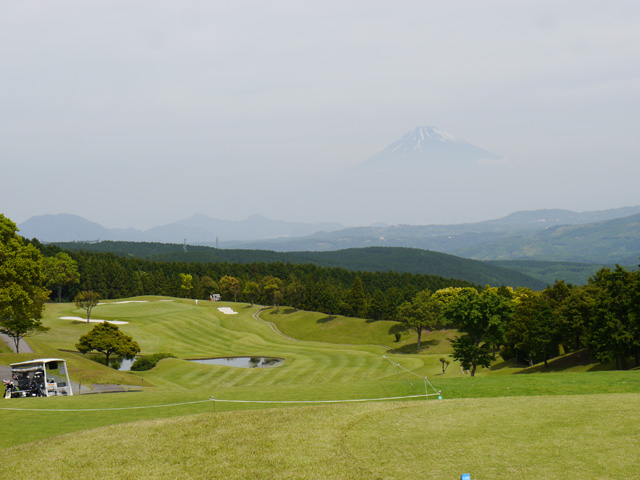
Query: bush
{"points": [[147, 362], [98, 358], [398, 336]]}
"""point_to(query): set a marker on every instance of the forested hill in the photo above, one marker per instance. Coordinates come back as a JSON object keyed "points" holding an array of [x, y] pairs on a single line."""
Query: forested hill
{"points": [[383, 259]]}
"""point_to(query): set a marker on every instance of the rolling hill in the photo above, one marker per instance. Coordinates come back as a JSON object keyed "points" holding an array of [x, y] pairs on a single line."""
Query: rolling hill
{"points": [[410, 260]]}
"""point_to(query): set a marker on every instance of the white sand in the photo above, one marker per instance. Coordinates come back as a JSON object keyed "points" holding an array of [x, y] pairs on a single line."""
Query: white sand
{"points": [[124, 301], [227, 310], [95, 320]]}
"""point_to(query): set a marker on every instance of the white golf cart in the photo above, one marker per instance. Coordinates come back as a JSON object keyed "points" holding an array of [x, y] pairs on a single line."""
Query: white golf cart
{"points": [[42, 377]]}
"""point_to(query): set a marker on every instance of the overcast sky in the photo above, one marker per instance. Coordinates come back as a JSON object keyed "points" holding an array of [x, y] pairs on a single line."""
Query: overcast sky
{"points": [[140, 113]]}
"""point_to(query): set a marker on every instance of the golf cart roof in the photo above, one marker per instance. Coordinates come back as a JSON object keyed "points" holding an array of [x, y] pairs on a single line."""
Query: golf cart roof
{"points": [[38, 361]]}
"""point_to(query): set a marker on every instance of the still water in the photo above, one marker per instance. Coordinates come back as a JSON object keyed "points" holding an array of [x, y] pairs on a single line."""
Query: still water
{"points": [[243, 362]]}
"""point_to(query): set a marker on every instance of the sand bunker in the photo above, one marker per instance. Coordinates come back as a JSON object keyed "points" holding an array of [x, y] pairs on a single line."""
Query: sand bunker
{"points": [[124, 301], [227, 310], [94, 320]]}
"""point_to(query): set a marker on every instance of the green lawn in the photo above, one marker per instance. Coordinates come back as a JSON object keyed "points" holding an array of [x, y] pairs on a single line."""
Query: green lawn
{"points": [[319, 327], [580, 436], [529, 416]]}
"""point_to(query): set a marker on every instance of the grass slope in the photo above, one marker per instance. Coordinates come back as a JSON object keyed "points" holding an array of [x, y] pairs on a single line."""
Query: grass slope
{"points": [[527, 426], [524, 438]]}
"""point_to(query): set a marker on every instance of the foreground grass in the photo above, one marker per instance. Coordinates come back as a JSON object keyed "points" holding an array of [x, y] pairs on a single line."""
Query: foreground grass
{"points": [[33, 420], [518, 438]]}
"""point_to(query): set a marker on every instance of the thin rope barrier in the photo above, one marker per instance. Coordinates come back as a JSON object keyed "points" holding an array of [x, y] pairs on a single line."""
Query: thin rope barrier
{"points": [[426, 380], [322, 401], [101, 409], [213, 399]]}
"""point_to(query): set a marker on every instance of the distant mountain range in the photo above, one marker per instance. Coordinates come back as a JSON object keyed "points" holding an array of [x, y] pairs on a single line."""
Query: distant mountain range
{"points": [[602, 237], [197, 229]]}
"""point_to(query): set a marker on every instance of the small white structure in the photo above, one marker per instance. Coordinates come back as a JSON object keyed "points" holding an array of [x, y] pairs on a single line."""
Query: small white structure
{"points": [[42, 377]]}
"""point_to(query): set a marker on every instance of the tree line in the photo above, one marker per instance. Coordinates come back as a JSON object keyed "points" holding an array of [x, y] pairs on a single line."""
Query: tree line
{"points": [[373, 295], [601, 318]]}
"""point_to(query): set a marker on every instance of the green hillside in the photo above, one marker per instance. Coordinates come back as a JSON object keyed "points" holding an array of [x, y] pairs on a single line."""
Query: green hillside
{"points": [[611, 242], [548, 272], [382, 259]]}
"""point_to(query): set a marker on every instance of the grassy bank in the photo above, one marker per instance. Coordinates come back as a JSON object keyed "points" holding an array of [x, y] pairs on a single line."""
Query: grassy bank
{"points": [[521, 438]]}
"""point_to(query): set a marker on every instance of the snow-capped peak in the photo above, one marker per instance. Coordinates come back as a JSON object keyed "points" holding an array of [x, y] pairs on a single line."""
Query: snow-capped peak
{"points": [[430, 142], [416, 140]]}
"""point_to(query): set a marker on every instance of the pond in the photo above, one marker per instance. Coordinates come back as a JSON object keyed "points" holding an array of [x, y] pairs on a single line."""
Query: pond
{"points": [[243, 362], [121, 364]]}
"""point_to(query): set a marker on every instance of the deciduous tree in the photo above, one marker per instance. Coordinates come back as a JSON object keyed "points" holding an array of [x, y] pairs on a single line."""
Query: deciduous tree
{"points": [[60, 271], [208, 286], [251, 290], [422, 313], [108, 339], [229, 287], [273, 289], [87, 300], [22, 294], [186, 285], [483, 318]]}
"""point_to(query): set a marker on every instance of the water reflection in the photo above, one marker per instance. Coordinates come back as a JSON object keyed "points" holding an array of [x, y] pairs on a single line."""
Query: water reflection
{"points": [[121, 364], [243, 362]]}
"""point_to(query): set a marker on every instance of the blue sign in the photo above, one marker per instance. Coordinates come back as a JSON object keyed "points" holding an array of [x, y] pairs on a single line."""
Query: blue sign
{"points": [[465, 476]]}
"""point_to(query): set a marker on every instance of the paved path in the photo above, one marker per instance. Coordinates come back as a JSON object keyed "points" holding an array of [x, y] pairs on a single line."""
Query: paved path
{"points": [[24, 346]]}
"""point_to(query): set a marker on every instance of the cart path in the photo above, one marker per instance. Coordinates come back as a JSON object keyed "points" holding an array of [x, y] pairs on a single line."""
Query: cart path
{"points": [[24, 346]]}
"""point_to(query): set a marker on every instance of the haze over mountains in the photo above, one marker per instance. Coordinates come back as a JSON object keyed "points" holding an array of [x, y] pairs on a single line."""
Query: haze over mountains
{"points": [[197, 229], [607, 236]]}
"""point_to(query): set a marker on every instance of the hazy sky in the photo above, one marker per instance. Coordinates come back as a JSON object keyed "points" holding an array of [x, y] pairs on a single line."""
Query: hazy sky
{"points": [[139, 113]]}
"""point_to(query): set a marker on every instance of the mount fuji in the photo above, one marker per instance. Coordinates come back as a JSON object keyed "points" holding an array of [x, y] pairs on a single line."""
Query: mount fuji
{"points": [[427, 144]]}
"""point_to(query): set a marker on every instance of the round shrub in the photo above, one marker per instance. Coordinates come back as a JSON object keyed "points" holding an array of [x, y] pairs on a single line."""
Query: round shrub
{"points": [[147, 362]]}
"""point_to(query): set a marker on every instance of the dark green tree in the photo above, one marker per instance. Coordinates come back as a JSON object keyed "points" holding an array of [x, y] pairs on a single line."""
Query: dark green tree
{"points": [[614, 326], [378, 306], [533, 328], [207, 287], [251, 290], [60, 271], [295, 291], [22, 291], [422, 313], [229, 287], [574, 314], [483, 318], [272, 288], [108, 339], [357, 299]]}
